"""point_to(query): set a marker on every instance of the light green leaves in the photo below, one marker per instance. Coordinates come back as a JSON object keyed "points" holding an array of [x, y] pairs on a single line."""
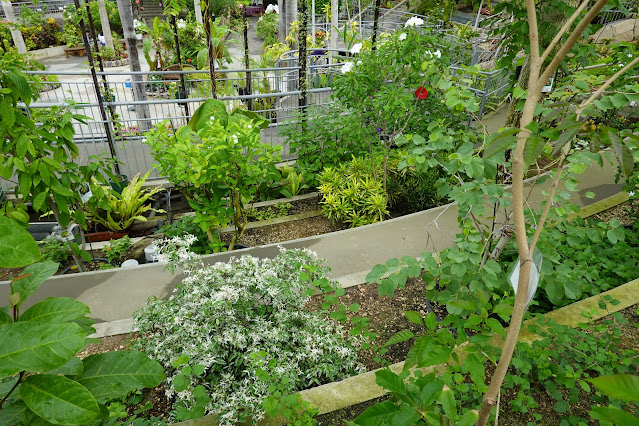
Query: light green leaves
{"points": [[17, 246], [36, 347], [213, 108], [113, 374], [58, 399]]}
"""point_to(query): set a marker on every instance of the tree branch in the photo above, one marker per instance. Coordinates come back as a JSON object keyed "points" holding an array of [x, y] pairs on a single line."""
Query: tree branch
{"points": [[572, 39], [563, 30], [607, 84]]}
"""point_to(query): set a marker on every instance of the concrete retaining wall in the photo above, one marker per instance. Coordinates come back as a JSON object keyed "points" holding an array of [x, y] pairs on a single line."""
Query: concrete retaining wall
{"points": [[49, 52], [116, 294]]}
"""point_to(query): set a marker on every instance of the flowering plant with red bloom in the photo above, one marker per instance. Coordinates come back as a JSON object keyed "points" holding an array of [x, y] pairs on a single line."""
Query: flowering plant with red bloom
{"points": [[421, 93]]}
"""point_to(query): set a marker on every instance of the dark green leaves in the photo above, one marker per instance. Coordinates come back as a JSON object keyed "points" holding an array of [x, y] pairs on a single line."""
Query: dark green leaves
{"points": [[36, 275], [114, 374], [501, 141], [400, 336], [55, 310], [36, 347], [17, 246], [58, 399]]}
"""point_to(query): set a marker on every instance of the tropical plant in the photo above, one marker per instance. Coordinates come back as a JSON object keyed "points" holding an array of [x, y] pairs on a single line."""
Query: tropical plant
{"points": [[54, 250], [267, 29], [41, 378], [218, 162], [234, 332], [117, 211], [39, 154], [353, 193]]}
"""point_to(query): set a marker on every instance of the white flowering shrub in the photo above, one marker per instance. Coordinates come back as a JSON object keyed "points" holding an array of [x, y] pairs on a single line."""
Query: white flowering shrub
{"points": [[240, 320]]}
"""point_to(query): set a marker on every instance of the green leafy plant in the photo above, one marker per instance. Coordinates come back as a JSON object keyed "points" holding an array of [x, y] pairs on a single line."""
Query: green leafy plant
{"points": [[117, 211], [39, 154], [619, 386], [237, 319], [54, 250], [281, 209], [116, 248], [295, 182], [41, 378], [353, 193], [267, 29], [187, 225], [218, 162]]}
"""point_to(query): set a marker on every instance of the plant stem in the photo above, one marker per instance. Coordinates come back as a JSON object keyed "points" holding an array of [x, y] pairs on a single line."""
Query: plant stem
{"points": [[12, 389]]}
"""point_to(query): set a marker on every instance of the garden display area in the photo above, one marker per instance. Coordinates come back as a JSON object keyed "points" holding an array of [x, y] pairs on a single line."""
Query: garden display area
{"points": [[390, 254]]}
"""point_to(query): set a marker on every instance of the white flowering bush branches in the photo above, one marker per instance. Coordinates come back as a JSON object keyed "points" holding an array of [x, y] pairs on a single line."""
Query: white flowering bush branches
{"points": [[239, 324]]}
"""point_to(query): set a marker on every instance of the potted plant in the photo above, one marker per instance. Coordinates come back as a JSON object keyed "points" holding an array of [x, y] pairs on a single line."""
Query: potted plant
{"points": [[115, 211]]}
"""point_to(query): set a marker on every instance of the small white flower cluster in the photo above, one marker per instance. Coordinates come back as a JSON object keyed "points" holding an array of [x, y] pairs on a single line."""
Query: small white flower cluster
{"points": [[414, 22], [272, 8], [174, 252], [357, 48], [402, 36], [240, 317], [136, 23], [181, 24], [435, 54], [347, 67]]}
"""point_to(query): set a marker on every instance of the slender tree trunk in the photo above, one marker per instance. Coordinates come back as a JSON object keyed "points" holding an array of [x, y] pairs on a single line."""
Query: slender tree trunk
{"points": [[334, 22], [247, 63], [18, 40], [137, 81], [209, 43], [106, 26], [198, 11], [375, 23], [303, 32], [185, 94]]}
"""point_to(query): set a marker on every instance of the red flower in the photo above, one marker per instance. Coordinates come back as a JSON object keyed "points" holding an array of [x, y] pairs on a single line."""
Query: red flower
{"points": [[188, 60], [421, 93]]}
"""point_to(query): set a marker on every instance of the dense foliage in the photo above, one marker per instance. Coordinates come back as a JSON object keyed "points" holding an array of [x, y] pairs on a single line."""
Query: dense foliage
{"points": [[240, 327]]}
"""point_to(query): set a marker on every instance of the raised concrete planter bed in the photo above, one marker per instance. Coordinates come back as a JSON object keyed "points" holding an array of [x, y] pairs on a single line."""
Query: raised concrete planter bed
{"points": [[116, 294]]}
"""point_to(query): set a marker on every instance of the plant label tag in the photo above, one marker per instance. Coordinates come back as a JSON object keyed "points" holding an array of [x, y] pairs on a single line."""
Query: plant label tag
{"points": [[85, 192], [548, 87], [533, 280]]}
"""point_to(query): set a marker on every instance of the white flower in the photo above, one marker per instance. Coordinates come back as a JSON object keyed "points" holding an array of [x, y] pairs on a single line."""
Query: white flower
{"points": [[359, 62], [436, 53], [136, 23], [272, 8], [402, 36], [234, 138], [143, 140], [212, 118], [356, 48], [181, 24], [414, 22], [631, 193], [250, 127], [347, 67]]}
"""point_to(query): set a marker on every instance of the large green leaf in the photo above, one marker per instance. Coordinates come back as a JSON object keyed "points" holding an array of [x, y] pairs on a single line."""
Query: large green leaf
{"points": [[58, 399], [258, 120], [17, 246], [390, 381], [378, 414], [620, 386], [614, 415], [37, 347], [55, 310], [211, 108], [114, 374], [73, 366], [13, 414], [37, 274]]}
